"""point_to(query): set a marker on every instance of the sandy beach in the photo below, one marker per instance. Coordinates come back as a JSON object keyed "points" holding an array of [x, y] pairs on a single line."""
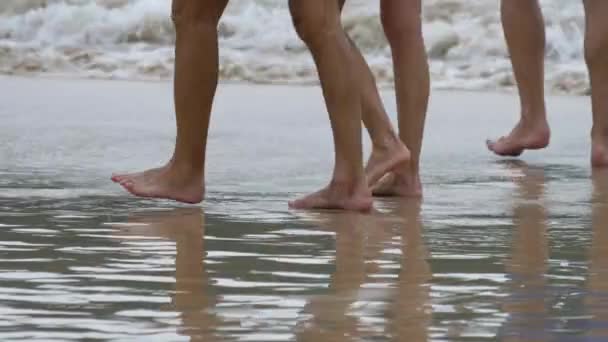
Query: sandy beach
{"points": [[499, 249], [269, 139]]}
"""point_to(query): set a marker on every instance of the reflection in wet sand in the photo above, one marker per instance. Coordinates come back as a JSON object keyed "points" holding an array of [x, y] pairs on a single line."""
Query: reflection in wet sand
{"points": [[596, 301], [331, 318], [410, 311], [186, 227], [360, 240], [526, 307]]}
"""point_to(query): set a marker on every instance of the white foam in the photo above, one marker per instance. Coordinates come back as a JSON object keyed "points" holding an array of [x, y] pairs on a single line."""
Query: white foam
{"points": [[133, 39]]}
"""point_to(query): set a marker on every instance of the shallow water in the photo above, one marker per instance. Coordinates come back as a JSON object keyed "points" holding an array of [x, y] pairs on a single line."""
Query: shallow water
{"points": [[498, 250]]}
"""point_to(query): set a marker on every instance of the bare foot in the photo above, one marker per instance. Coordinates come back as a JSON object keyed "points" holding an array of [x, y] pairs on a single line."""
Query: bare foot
{"points": [[119, 177], [399, 185], [168, 182], [337, 196], [385, 160], [599, 152], [523, 137]]}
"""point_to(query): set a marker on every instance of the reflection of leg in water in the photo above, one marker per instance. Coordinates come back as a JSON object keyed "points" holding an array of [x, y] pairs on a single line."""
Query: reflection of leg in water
{"points": [[362, 238], [187, 228], [410, 312], [597, 283], [330, 313], [527, 267]]}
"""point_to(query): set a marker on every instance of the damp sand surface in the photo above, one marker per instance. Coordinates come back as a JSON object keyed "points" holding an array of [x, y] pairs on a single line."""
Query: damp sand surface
{"points": [[498, 249]]}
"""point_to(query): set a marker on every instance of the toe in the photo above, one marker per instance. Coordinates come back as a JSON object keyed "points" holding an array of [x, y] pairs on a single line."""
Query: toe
{"points": [[504, 148], [490, 144], [128, 185], [297, 204], [314, 201], [117, 178]]}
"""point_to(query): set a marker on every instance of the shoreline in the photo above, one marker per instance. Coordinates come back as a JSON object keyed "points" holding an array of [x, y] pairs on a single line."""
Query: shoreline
{"points": [[267, 143], [295, 84]]}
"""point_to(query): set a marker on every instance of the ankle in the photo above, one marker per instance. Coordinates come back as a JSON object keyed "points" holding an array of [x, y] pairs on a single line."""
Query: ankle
{"points": [[534, 120], [341, 185], [409, 174], [537, 109], [386, 143], [533, 115], [185, 170], [599, 134]]}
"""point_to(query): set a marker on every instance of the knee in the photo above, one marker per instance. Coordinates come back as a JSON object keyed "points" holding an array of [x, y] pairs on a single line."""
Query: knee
{"points": [[400, 27], [189, 14], [313, 28], [596, 50]]}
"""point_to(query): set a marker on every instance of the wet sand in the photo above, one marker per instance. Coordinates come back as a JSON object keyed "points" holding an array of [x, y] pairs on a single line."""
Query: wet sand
{"points": [[498, 250]]}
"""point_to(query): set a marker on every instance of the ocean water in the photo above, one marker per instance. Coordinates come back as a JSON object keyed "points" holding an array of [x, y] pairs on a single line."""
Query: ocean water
{"points": [[132, 39]]}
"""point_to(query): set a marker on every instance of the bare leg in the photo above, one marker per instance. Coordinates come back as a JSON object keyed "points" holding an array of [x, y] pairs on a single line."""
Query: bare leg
{"points": [[596, 53], [332, 319], [196, 76], [403, 26], [411, 305], [318, 24], [388, 151], [525, 34]]}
